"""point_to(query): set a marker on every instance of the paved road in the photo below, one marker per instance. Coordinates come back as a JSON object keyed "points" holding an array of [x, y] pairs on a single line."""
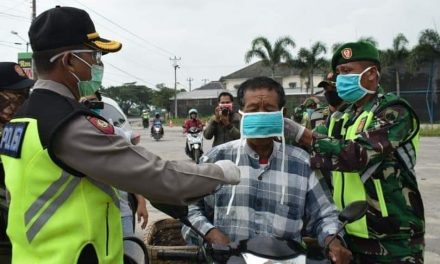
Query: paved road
{"points": [[428, 176]]}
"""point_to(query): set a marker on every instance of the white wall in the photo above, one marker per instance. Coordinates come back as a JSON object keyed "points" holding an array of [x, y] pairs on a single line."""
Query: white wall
{"points": [[230, 83]]}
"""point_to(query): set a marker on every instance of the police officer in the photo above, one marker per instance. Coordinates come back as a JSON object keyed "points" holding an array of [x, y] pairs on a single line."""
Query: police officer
{"points": [[371, 148], [14, 88], [61, 159]]}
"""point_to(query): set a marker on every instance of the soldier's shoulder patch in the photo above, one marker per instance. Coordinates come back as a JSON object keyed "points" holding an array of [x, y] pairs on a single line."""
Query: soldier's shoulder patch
{"points": [[101, 125], [12, 139]]}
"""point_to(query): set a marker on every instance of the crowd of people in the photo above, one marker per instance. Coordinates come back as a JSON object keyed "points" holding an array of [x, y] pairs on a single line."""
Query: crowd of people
{"points": [[279, 176]]}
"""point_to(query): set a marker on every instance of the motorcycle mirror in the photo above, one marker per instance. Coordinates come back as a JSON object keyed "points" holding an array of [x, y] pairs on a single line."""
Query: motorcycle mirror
{"points": [[175, 211], [353, 211]]}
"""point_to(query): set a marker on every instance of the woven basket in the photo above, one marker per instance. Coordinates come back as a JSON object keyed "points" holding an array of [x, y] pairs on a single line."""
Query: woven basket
{"points": [[164, 235]]}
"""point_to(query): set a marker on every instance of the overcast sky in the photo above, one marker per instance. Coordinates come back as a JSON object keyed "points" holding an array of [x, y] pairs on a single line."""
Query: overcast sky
{"points": [[211, 37]]}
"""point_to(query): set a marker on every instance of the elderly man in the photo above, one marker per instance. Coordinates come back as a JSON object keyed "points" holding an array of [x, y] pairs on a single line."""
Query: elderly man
{"points": [[371, 148], [278, 188], [61, 159]]}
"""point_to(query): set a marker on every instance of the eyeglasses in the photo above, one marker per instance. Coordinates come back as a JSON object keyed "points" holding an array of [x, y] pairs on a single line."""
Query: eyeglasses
{"points": [[96, 55]]}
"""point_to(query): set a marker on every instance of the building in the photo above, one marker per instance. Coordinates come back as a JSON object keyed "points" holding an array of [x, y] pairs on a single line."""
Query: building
{"points": [[204, 99], [288, 77]]}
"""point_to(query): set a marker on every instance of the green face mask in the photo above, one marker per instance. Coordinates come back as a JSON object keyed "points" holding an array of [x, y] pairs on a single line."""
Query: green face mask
{"points": [[91, 86], [87, 88]]}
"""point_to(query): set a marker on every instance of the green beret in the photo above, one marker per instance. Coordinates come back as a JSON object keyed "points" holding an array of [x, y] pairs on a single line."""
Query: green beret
{"points": [[355, 51]]}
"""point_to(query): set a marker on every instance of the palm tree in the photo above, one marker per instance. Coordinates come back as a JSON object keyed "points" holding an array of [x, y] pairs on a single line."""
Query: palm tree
{"points": [[396, 55], [270, 55], [336, 46], [370, 40], [308, 61], [427, 51]]}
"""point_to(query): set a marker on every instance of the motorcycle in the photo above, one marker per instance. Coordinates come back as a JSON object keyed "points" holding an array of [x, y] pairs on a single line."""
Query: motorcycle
{"points": [[194, 141], [157, 131], [145, 120], [254, 250]]}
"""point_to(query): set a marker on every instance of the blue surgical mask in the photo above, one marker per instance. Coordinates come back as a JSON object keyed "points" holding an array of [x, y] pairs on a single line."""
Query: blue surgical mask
{"points": [[310, 111], [262, 124], [349, 87]]}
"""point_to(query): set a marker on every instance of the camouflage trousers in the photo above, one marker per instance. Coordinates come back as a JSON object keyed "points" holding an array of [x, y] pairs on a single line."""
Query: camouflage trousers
{"points": [[370, 259], [403, 251]]}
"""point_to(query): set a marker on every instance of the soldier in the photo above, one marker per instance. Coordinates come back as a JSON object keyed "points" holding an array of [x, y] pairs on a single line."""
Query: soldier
{"points": [[335, 103], [371, 148]]}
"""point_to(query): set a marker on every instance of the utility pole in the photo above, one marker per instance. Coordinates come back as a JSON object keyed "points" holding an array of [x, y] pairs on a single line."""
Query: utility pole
{"points": [[176, 66], [34, 9], [189, 81], [205, 81]]}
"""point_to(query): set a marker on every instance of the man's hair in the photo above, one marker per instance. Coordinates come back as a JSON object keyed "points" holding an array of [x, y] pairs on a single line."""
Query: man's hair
{"points": [[261, 83], [225, 94], [42, 58]]}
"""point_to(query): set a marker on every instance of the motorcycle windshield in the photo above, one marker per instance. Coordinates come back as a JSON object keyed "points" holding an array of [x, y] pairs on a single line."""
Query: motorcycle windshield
{"points": [[250, 258]]}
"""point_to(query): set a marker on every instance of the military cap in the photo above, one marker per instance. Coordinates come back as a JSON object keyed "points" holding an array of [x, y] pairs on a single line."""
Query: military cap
{"points": [[12, 77], [67, 26], [355, 51]]}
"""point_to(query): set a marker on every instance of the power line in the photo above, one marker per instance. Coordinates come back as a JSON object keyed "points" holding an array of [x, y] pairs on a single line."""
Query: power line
{"points": [[127, 30], [129, 74], [14, 16], [9, 46]]}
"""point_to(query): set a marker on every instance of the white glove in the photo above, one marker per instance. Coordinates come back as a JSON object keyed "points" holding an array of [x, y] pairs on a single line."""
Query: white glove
{"points": [[230, 170], [293, 130]]}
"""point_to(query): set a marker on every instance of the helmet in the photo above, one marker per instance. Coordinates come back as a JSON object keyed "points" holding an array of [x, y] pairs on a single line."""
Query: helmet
{"points": [[192, 111], [157, 115]]}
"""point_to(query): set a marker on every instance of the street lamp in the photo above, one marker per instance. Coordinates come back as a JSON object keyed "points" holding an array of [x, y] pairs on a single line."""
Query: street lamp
{"points": [[27, 43]]}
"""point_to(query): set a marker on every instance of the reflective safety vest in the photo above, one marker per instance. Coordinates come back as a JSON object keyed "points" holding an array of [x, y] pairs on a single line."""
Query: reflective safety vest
{"points": [[53, 215], [349, 186]]}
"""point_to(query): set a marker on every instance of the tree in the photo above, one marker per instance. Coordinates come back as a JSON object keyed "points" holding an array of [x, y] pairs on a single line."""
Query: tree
{"points": [[427, 51], [129, 95], [270, 55], [161, 97], [370, 40], [395, 56], [308, 61]]}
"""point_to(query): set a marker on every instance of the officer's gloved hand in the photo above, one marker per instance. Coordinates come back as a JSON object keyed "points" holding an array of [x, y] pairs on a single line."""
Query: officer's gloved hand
{"points": [[230, 170], [293, 130]]}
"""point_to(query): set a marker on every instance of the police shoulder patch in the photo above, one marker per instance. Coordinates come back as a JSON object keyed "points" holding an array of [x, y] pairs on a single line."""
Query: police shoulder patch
{"points": [[101, 125], [12, 139]]}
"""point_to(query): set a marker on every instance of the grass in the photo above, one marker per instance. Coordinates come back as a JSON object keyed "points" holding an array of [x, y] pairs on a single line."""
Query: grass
{"points": [[430, 131]]}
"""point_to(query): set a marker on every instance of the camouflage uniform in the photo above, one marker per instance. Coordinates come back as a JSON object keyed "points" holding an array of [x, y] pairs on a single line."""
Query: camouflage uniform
{"points": [[397, 237]]}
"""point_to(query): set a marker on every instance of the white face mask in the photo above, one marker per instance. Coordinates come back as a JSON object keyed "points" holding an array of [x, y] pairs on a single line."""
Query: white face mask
{"points": [[262, 125]]}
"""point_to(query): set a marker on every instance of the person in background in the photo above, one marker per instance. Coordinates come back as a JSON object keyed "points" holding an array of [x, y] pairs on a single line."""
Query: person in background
{"points": [[193, 121], [156, 121], [14, 89], [224, 126]]}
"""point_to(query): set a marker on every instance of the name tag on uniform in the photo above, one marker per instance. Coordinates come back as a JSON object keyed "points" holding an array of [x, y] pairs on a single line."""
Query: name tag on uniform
{"points": [[12, 139]]}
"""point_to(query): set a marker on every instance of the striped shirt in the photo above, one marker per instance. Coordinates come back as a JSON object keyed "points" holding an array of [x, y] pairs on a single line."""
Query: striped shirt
{"points": [[256, 209]]}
